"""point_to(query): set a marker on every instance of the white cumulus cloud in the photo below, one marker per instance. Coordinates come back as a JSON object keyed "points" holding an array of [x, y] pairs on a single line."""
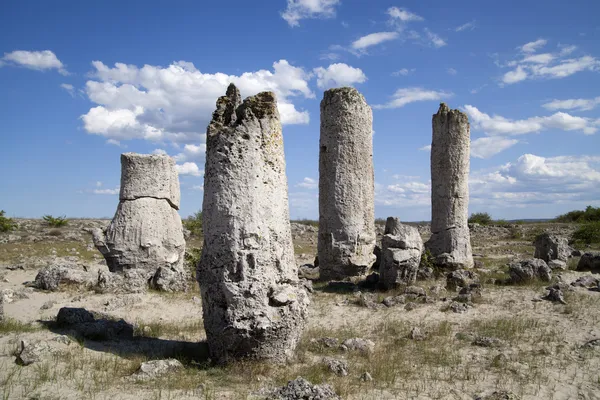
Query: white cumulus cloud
{"points": [[189, 168], [308, 183], [532, 47], [338, 75], [498, 125], [434, 39], [405, 96], [38, 60], [302, 9], [373, 39], [487, 147], [403, 14], [573, 104]]}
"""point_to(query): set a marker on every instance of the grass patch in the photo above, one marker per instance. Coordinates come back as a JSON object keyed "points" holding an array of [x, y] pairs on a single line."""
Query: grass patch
{"points": [[14, 252], [10, 325], [514, 329]]}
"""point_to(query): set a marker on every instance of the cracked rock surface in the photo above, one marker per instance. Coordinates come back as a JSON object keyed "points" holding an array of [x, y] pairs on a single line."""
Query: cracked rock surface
{"points": [[146, 234], [346, 185], [450, 151], [253, 303]]}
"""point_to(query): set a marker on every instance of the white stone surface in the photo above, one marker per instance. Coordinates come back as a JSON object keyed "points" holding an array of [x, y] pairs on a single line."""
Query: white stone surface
{"points": [[450, 242], [253, 304], [346, 186]]}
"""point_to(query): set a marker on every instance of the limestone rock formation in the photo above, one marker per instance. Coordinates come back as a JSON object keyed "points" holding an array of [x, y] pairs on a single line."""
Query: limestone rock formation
{"points": [[145, 237], [551, 247], [450, 242], [529, 270], [589, 262], [253, 303], [346, 186], [401, 254]]}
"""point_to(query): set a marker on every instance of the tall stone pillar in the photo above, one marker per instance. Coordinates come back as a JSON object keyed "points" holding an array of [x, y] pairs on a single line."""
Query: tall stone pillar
{"points": [[346, 185], [253, 304], [144, 242], [450, 241]]}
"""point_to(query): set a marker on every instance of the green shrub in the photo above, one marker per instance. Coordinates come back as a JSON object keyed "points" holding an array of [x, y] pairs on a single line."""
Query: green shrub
{"points": [[588, 233], [590, 214], [55, 222], [193, 223], [192, 258], [6, 224], [481, 218]]}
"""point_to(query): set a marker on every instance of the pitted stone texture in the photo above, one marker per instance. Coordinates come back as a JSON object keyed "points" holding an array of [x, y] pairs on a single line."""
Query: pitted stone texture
{"points": [[401, 254], [450, 242], [346, 186], [551, 247], [145, 234], [144, 243], [149, 175], [253, 303]]}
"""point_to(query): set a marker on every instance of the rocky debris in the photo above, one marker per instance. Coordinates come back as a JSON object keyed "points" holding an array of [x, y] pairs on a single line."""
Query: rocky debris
{"points": [[555, 295], [401, 254], [153, 369], [53, 276], [129, 281], [301, 389], [557, 265], [346, 222], [486, 341], [392, 301], [460, 278], [48, 305], [589, 262], [377, 254], [528, 270], [336, 365], [416, 334], [254, 305], [425, 273], [1, 308], [146, 233], [64, 339], [499, 395], [587, 281], [459, 308], [367, 300], [366, 377], [552, 247], [592, 344], [328, 342], [31, 353], [364, 346], [450, 242], [88, 326], [469, 293], [308, 271]]}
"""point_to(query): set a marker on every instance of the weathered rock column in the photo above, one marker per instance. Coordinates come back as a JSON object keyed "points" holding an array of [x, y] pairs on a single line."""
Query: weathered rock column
{"points": [[346, 186], [253, 304], [400, 254], [450, 241], [144, 242]]}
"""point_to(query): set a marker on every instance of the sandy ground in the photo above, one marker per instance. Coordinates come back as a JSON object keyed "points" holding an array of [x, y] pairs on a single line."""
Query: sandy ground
{"points": [[541, 352]]}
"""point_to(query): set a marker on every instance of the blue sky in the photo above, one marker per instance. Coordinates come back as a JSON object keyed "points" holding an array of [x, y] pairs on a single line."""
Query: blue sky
{"points": [[82, 82]]}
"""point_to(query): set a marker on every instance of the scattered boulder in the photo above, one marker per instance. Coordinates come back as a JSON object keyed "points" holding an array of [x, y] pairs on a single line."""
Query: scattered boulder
{"points": [[552, 247], [557, 265], [364, 346], [170, 279], [301, 389], [31, 353], [377, 254], [459, 308], [416, 334], [499, 395], [308, 271], [589, 262], [460, 278], [468, 294], [401, 254], [337, 366], [346, 223], [450, 242], [153, 369], [587, 281], [555, 295], [485, 341], [254, 305], [366, 377], [528, 270], [53, 276], [328, 342]]}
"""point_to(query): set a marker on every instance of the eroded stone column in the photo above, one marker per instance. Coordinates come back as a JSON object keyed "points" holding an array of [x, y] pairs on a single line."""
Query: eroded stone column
{"points": [[450, 241], [144, 243], [346, 186], [253, 304]]}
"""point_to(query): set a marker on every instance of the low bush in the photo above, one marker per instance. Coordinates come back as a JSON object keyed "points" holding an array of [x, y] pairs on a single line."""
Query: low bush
{"points": [[193, 223], [481, 218], [587, 233], [590, 214], [6, 224], [55, 222]]}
